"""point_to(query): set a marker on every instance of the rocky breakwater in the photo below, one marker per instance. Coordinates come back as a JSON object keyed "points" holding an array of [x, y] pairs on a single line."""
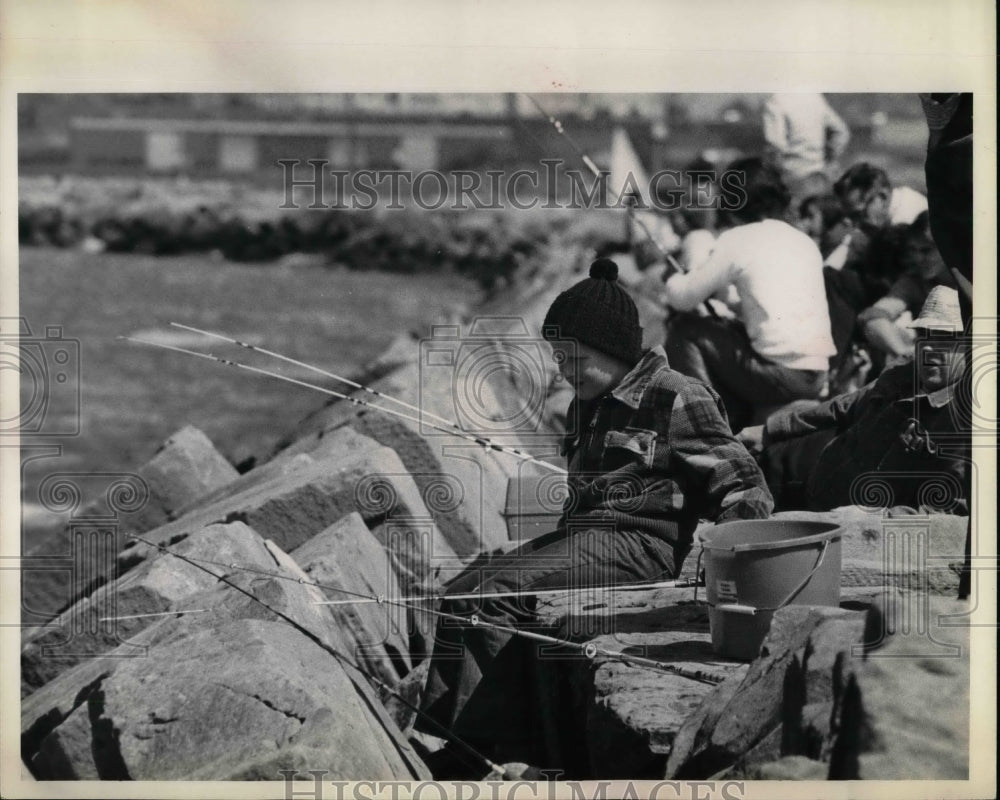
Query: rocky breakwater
{"points": [[205, 651], [206, 648]]}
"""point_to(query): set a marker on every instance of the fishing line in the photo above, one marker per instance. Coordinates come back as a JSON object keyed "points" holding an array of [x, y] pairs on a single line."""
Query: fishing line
{"points": [[452, 737], [589, 649], [630, 210], [375, 392], [486, 444]]}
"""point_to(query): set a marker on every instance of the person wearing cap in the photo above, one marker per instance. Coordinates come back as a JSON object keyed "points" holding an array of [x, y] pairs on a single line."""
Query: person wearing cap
{"points": [[887, 443], [649, 454]]}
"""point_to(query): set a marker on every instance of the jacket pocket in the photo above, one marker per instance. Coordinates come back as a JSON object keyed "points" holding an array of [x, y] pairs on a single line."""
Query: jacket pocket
{"points": [[635, 445]]}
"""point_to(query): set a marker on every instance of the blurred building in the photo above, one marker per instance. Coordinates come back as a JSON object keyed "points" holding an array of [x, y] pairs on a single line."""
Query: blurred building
{"points": [[245, 134], [245, 147], [210, 135]]}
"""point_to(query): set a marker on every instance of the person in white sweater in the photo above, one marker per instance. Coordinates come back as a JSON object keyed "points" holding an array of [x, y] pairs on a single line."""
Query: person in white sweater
{"points": [[778, 348]]}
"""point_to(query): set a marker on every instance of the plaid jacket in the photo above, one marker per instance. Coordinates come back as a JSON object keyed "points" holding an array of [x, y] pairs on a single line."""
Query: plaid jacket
{"points": [[657, 454]]}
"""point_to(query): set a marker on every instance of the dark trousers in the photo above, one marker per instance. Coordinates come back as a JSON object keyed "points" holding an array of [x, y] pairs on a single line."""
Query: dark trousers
{"points": [[846, 297], [502, 693], [718, 353], [788, 465]]}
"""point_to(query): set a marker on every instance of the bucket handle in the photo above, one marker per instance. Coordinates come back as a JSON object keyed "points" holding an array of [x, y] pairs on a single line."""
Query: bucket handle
{"points": [[739, 608], [697, 573], [780, 544]]}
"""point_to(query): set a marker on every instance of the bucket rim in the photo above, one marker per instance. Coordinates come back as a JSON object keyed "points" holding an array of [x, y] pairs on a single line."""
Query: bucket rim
{"points": [[834, 531]]}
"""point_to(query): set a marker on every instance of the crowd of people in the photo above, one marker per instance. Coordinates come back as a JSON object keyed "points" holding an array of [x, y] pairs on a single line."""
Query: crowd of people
{"points": [[820, 286], [800, 298]]}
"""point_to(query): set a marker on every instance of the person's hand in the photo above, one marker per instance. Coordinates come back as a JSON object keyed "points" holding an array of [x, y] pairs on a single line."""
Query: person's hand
{"points": [[752, 438]]}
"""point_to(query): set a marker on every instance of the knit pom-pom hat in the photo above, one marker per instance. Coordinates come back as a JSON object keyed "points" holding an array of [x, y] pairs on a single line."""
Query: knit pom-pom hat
{"points": [[597, 312]]}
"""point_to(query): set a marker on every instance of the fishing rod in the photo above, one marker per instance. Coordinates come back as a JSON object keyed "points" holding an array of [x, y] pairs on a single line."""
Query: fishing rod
{"points": [[589, 649], [557, 124], [363, 598], [483, 442], [624, 587], [319, 370], [598, 175]]}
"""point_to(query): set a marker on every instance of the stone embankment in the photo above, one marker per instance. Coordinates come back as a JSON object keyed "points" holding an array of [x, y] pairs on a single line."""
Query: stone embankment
{"points": [[214, 658]]}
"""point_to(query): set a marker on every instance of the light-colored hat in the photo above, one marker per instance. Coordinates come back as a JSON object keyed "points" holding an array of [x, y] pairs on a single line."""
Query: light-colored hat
{"points": [[940, 312]]}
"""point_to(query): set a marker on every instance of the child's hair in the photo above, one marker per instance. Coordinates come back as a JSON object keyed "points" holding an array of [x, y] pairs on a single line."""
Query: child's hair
{"points": [[767, 197], [864, 176]]}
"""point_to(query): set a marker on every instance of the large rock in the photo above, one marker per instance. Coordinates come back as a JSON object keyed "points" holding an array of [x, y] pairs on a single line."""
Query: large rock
{"points": [[905, 550], [903, 711], [498, 391], [195, 652], [346, 556], [230, 597], [342, 443], [814, 680], [45, 708], [48, 707], [68, 754], [636, 712], [463, 484], [237, 701], [627, 716], [293, 507], [744, 715], [157, 585], [185, 467]]}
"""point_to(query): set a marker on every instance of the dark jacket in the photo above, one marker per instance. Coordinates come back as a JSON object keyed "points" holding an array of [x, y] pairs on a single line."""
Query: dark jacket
{"points": [[656, 453], [891, 446]]}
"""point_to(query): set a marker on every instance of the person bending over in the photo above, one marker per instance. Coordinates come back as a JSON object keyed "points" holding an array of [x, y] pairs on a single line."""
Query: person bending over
{"points": [[649, 455]]}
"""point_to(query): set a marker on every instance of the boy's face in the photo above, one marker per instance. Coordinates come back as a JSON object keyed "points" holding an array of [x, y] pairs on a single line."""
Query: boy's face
{"points": [[590, 372]]}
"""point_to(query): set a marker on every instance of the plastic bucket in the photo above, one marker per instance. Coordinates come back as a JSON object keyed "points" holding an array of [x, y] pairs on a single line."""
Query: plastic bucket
{"points": [[755, 567]]}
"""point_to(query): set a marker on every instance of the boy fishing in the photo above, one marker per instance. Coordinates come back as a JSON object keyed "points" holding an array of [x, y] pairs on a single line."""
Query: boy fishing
{"points": [[650, 455]]}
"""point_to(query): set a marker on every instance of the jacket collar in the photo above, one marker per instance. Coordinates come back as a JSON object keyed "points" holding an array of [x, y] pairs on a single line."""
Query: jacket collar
{"points": [[632, 387], [941, 397]]}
